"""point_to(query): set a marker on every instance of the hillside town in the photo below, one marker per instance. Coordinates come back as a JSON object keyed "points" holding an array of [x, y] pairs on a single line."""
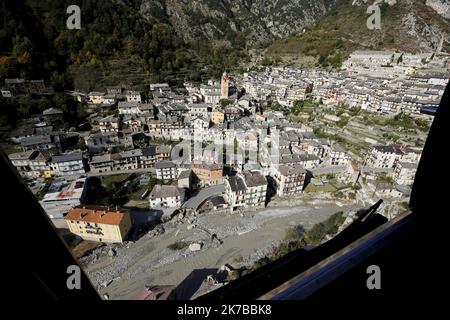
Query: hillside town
{"points": [[225, 150]]}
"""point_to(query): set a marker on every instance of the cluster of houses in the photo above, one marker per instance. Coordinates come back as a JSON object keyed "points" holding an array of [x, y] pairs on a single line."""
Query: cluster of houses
{"points": [[142, 158], [282, 150], [233, 192], [19, 87], [225, 152], [235, 120], [377, 81], [40, 163], [398, 163]]}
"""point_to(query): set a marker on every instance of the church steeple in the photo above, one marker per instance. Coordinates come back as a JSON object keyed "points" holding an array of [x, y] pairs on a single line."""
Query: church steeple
{"points": [[224, 84]]}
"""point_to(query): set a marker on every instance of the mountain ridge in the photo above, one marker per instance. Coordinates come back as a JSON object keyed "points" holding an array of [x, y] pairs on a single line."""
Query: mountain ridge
{"points": [[259, 21], [137, 41], [408, 26]]}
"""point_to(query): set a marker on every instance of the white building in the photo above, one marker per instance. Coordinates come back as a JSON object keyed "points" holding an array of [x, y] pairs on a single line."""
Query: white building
{"points": [[235, 189], [166, 197], [289, 180], [256, 192], [101, 164], [211, 93], [6, 93], [383, 156], [63, 195], [31, 163], [68, 164], [109, 99], [129, 107], [309, 161], [166, 170], [127, 160], [200, 124], [133, 96], [109, 124], [95, 97], [198, 110], [184, 179], [338, 156], [404, 173], [159, 87]]}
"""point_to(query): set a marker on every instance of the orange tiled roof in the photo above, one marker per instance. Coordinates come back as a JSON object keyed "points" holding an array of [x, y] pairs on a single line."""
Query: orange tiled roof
{"points": [[96, 215]]}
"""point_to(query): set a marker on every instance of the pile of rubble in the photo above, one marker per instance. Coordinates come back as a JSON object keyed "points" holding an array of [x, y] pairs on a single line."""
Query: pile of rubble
{"points": [[103, 277], [216, 280], [157, 231]]}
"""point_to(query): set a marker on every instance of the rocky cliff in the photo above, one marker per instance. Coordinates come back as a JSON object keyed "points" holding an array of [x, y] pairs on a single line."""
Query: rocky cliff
{"points": [[243, 22]]}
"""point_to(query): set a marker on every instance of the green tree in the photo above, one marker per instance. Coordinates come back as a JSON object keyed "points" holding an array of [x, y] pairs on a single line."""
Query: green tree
{"points": [[266, 61]]}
